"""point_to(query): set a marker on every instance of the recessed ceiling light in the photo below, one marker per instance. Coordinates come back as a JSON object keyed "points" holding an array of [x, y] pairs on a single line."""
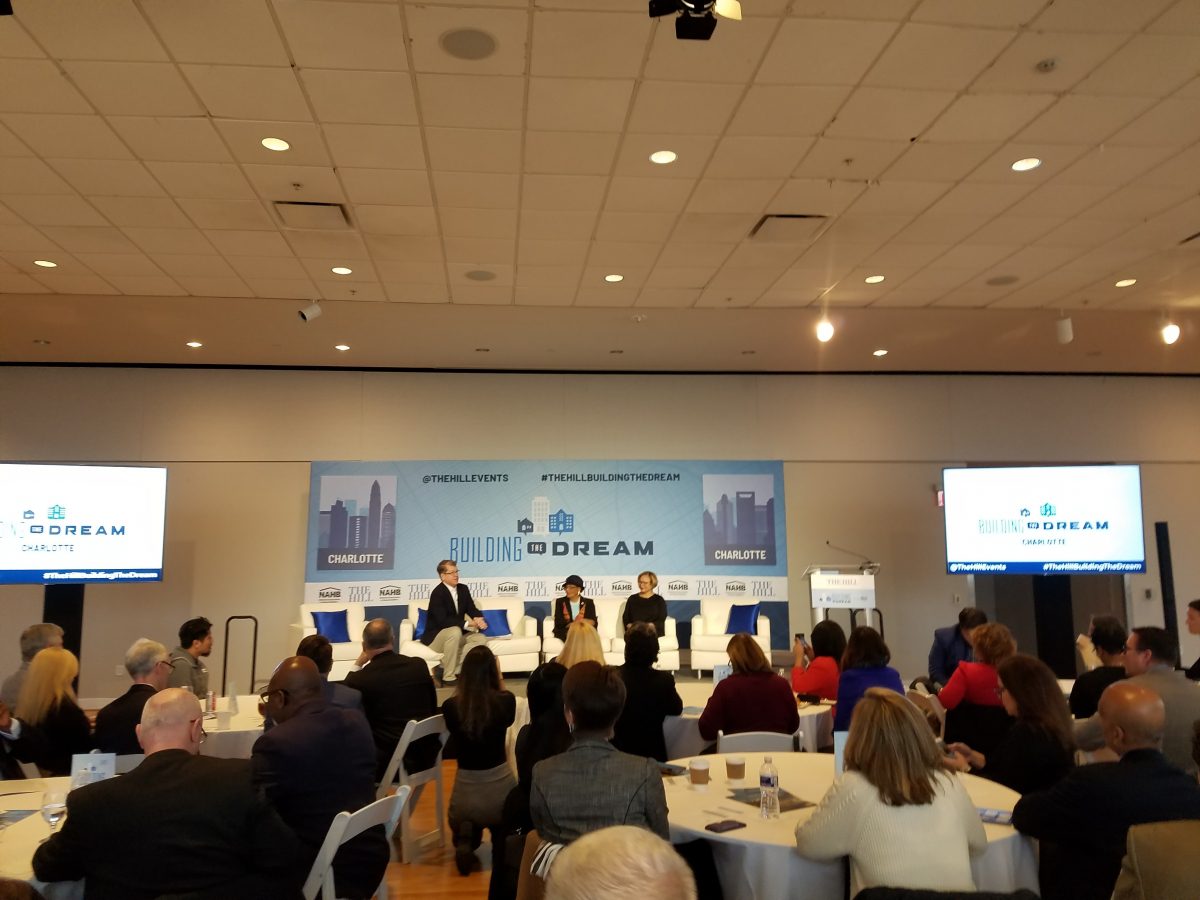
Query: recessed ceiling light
{"points": [[342, 347], [341, 270], [195, 345], [1170, 333], [276, 144], [662, 157], [1028, 164], [1126, 282], [45, 264], [613, 279], [824, 330], [874, 279], [880, 352]]}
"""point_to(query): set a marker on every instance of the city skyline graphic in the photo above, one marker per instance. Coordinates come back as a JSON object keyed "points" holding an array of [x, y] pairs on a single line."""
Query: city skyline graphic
{"points": [[356, 528], [739, 520]]}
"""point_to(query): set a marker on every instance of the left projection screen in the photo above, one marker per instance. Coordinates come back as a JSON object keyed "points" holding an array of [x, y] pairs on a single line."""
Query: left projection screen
{"points": [[81, 524]]}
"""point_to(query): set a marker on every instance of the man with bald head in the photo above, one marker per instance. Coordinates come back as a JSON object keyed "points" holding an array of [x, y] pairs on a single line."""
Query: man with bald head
{"points": [[318, 760], [179, 823], [1082, 821], [395, 690]]}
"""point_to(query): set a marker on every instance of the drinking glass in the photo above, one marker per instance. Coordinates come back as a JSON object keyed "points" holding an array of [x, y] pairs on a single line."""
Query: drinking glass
{"points": [[54, 807]]}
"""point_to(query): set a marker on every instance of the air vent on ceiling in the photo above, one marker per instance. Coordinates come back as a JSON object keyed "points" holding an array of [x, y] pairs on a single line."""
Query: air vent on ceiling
{"points": [[788, 228], [321, 216]]}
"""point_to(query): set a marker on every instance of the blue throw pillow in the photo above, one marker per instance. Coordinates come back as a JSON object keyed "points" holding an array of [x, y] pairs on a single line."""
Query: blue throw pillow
{"points": [[743, 619], [497, 622], [422, 615], [332, 625]]}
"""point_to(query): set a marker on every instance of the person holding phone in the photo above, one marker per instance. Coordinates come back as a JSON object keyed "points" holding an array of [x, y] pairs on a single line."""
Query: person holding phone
{"points": [[817, 667]]}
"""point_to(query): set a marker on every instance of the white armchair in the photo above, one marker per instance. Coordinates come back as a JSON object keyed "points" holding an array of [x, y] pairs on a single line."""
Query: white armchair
{"points": [[410, 646], [519, 653], [709, 639], [344, 652], [668, 643]]}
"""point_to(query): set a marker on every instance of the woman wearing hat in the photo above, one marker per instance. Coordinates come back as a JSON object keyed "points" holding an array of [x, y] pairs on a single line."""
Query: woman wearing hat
{"points": [[572, 608]]}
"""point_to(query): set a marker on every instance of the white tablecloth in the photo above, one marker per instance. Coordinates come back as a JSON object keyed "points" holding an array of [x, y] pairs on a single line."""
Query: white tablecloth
{"points": [[760, 862], [682, 733], [236, 740], [18, 842]]}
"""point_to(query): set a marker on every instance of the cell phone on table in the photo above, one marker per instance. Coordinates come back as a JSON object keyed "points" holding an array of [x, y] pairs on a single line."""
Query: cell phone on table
{"points": [[996, 816], [724, 825], [671, 769]]}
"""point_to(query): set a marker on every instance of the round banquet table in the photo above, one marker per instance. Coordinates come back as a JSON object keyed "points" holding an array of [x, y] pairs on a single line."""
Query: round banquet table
{"points": [[236, 740], [760, 862], [682, 733], [19, 840]]}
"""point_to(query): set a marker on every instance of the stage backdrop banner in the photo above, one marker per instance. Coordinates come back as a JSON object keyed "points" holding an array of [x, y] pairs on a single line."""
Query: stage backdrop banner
{"points": [[376, 530]]}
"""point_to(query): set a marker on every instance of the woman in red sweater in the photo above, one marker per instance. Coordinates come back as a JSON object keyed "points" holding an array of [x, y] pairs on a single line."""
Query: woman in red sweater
{"points": [[976, 682], [817, 667], [753, 698]]}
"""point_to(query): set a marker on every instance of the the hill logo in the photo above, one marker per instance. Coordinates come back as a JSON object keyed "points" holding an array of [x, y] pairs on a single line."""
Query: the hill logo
{"points": [[329, 594]]}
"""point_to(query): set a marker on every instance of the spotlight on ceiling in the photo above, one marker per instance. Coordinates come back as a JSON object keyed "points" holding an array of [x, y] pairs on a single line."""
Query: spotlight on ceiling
{"points": [[824, 331], [1170, 333], [310, 312], [1063, 330], [695, 18]]}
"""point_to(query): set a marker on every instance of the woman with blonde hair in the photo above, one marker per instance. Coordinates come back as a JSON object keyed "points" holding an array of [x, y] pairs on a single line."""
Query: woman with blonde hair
{"points": [[753, 698], [904, 821], [46, 708], [583, 642], [646, 605]]}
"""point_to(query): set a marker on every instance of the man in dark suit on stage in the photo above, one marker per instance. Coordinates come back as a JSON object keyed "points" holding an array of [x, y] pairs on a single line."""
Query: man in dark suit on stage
{"points": [[179, 823], [317, 761], [450, 604], [1082, 822], [395, 690], [149, 665]]}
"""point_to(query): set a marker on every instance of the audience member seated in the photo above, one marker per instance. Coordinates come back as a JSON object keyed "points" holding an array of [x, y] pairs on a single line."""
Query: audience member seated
{"points": [[48, 727], [650, 696], [583, 642], [395, 690], [903, 820], [116, 724], [1160, 862], [317, 648], [952, 645], [187, 666], [1149, 660], [478, 717], [34, 638], [593, 785], [574, 607], [1193, 627], [818, 665], [974, 715], [753, 698], [1038, 750], [177, 824], [1082, 822], [1107, 637], [318, 760], [620, 863], [646, 606], [864, 666]]}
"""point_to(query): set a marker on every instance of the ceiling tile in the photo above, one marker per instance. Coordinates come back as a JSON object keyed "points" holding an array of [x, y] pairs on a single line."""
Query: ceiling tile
{"points": [[365, 98], [164, 240], [376, 146], [1055, 159], [473, 150], [343, 35], [978, 12], [1083, 233], [543, 296], [36, 86], [141, 212], [357, 292], [191, 264], [1077, 119], [417, 293], [896, 197], [1182, 18], [733, 195], [867, 230], [481, 295], [693, 254], [412, 272], [1059, 198], [606, 296], [627, 194], [934, 228], [850, 159], [1180, 171], [54, 209], [1015, 229], [471, 101], [692, 153], [714, 227], [763, 157], [1075, 55], [113, 177], [107, 264], [249, 243], [820, 197], [458, 272], [1172, 123], [558, 225], [829, 51], [480, 250], [987, 117], [547, 253], [937, 57], [307, 147], [81, 30], [568, 153], [970, 198], [146, 285], [183, 140], [667, 298], [852, 9], [15, 43], [1151, 65], [578, 104], [249, 92], [427, 24], [134, 88], [886, 113], [205, 286], [218, 31], [1113, 166], [390, 187], [21, 260], [320, 244], [609, 254], [396, 219], [480, 191], [282, 288], [548, 276], [926, 159], [31, 176], [903, 256], [321, 271], [1133, 203], [738, 47], [1099, 15], [976, 257], [405, 247], [83, 137], [680, 276], [670, 107], [809, 109], [90, 240], [76, 284], [749, 255], [237, 214], [210, 181], [589, 44], [634, 226], [10, 146], [304, 184], [582, 192]]}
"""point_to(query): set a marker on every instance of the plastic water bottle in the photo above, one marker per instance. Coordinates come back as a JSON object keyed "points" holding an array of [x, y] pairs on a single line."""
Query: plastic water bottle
{"points": [[768, 790]]}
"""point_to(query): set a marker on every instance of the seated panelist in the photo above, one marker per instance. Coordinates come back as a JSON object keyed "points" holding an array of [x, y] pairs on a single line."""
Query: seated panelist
{"points": [[574, 607]]}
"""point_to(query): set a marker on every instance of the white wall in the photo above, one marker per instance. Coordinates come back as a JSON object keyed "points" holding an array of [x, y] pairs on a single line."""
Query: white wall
{"points": [[862, 456]]}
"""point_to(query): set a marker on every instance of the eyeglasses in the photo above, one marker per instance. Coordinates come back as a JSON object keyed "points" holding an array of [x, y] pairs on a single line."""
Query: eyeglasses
{"points": [[203, 733], [265, 696]]}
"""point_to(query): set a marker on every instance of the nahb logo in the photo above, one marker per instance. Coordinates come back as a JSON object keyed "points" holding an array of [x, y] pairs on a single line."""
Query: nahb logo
{"points": [[329, 594], [508, 587], [391, 592], [620, 587], [677, 586], [735, 587], [360, 593]]}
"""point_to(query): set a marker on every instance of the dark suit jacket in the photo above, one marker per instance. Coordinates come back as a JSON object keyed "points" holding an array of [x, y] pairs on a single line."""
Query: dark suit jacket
{"points": [[314, 765], [176, 824], [1082, 821], [562, 615], [948, 650], [396, 689], [444, 614], [53, 741], [1085, 694], [115, 723], [650, 697], [338, 694]]}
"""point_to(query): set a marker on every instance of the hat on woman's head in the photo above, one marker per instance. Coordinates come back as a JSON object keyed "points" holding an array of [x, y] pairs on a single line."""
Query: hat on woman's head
{"points": [[575, 580]]}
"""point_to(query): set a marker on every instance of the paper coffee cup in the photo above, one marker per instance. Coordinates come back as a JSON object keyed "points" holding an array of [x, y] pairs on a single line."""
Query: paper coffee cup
{"points": [[735, 768], [698, 771], [223, 718]]}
